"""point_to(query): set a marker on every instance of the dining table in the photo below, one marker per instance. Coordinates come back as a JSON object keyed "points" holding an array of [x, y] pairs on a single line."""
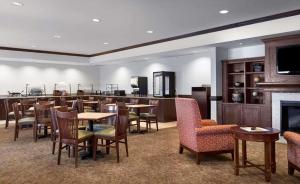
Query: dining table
{"points": [[92, 117]]}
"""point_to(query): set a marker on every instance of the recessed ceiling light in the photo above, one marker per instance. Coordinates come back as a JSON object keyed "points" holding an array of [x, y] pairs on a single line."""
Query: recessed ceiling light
{"points": [[241, 43], [223, 11], [17, 3], [146, 58], [149, 31], [56, 36], [105, 43], [33, 46], [96, 20]]}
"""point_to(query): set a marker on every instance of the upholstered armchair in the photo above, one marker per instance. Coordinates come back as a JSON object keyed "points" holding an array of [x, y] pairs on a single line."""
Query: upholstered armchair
{"points": [[293, 151], [199, 136]]}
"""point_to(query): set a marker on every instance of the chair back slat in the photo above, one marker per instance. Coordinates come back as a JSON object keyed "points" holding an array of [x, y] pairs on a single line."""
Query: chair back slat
{"points": [[54, 122], [67, 125], [15, 107], [134, 101], [80, 106], [153, 110], [122, 122]]}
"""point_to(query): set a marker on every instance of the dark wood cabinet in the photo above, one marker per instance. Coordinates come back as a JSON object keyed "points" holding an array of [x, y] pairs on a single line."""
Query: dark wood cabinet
{"points": [[202, 95], [231, 113]]}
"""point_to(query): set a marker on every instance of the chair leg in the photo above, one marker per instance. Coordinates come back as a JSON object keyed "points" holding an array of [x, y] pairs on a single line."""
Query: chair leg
{"points": [[126, 146], [291, 169], [107, 146], [53, 146], [232, 155], [6, 123], [16, 132], [180, 149], [59, 153], [76, 155], [149, 122], [69, 151], [138, 122], [156, 124], [117, 150], [198, 158], [129, 125], [95, 142]]}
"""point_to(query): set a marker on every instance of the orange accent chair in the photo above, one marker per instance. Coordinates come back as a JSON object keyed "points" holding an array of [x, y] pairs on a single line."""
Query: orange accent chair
{"points": [[293, 151], [201, 136]]}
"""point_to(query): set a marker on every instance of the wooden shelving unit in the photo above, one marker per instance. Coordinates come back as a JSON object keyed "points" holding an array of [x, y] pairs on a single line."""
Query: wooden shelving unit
{"points": [[242, 71]]}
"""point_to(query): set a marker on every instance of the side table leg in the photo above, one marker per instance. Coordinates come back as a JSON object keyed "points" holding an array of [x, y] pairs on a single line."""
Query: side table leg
{"points": [[273, 157], [267, 161], [244, 153], [236, 156]]}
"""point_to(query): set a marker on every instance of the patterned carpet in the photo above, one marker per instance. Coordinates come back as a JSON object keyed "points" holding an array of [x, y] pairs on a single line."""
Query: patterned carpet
{"points": [[153, 158]]}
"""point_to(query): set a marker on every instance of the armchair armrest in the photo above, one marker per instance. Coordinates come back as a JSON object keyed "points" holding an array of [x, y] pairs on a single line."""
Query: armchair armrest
{"points": [[214, 129], [292, 137], [207, 122]]}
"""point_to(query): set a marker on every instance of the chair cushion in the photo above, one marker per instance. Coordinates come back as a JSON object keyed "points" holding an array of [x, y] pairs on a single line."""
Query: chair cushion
{"points": [[107, 132], [12, 114], [81, 127], [147, 115], [89, 110], [26, 121], [83, 134], [132, 113], [133, 117]]}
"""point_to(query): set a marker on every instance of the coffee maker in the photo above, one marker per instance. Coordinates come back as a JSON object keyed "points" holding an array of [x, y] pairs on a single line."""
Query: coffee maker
{"points": [[139, 85]]}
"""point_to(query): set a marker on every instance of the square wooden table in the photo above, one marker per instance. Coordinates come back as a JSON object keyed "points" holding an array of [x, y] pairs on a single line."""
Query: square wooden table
{"points": [[92, 117]]}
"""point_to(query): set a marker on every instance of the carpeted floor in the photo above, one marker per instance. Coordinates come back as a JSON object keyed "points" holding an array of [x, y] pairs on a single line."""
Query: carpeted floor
{"points": [[153, 158]]}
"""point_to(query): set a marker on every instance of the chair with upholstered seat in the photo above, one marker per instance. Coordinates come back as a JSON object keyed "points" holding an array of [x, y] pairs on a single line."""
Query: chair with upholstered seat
{"points": [[27, 107], [21, 122], [69, 133], [42, 118], [113, 135], [197, 138], [9, 113], [293, 151], [151, 115], [54, 123]]}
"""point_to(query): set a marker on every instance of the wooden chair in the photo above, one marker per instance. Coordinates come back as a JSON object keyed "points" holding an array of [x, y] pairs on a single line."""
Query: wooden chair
{"points": [[151, 115], [20, 121], [42, 118], [69, 133], [54, 127], [109, 100], [115, 134], [26, 104], [9, 113], [133, 101], [63, 101]]}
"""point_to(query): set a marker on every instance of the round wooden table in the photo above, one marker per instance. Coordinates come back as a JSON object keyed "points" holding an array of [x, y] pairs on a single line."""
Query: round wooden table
{"points": [[268, 137]]}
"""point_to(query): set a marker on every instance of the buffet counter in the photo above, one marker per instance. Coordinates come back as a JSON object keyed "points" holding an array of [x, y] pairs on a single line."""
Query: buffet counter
{"points": [[166, 110]]}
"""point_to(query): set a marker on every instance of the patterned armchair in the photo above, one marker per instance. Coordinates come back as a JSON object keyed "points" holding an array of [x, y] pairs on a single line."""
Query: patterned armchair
{"points": [[200, 136], [293, 151]]}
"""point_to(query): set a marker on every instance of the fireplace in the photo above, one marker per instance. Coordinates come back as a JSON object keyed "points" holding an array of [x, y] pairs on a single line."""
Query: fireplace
{"points": [[290, 116]]}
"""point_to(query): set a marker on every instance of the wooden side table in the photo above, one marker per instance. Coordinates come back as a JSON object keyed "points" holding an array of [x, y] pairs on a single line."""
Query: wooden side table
{"points": [[268, 137]]}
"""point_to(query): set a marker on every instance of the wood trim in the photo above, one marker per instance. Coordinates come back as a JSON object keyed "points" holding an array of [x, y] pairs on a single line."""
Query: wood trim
{"points": [[201, 32], [216, 98], [221, 28], [44, 52]]}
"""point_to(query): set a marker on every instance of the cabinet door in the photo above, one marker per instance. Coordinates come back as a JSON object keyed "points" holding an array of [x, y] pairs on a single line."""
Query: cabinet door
{"points": [[251, 115], [232, 114]]}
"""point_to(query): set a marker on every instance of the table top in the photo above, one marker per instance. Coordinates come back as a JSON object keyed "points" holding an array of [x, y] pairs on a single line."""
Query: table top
{"points": [[237, 129], [94, 115], [271, 135], [134, 105], [90, 102]]}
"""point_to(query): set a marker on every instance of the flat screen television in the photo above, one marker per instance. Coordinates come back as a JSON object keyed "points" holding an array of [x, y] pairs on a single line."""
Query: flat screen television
{"points": [[288, 60]]}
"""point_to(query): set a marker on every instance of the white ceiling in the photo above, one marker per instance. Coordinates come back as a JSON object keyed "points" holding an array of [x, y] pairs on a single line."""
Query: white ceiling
{"points": [[123, 22]]}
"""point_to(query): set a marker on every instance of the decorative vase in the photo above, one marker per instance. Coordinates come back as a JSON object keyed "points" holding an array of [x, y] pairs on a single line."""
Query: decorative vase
{"points": [[258, 67], [256, 79], [237, 97]]}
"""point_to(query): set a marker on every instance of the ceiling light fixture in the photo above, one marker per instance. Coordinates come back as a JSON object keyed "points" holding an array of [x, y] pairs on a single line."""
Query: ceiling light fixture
{"points": [[149, 31], [17, 3], [105, 43], [241, 43], [33, 46], [57, 36], [223, 11], [96, 20]]}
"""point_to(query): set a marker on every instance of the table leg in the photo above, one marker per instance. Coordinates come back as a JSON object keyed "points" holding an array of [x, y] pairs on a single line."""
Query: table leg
{"points": [[89, 153], [273, 157], [244, 153], [138, 112], [267, 161], [236, 156]]}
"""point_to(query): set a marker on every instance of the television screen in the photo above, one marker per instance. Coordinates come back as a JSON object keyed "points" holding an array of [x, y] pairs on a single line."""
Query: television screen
{"points": [[288, 60]]}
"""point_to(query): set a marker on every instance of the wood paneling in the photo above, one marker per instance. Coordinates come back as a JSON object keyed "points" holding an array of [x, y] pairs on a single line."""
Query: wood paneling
{"points": [[231, 113]]}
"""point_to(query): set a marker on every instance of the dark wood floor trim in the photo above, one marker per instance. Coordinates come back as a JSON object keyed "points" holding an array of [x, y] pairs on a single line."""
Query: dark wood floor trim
{"points": [[44, 52], [230, 26]]}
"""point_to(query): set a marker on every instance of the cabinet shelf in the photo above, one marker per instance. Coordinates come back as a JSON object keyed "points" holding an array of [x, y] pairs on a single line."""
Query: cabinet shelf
{"points": [[236, 73], [249, 73]]}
